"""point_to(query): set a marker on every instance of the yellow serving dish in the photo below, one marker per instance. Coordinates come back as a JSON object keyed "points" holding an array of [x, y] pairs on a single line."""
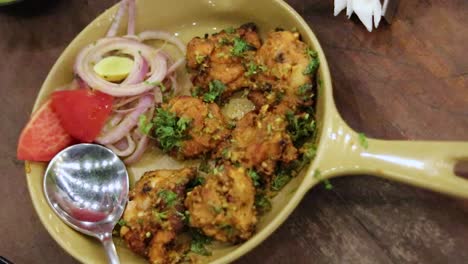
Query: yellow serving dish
{"points": [[424, 164]]}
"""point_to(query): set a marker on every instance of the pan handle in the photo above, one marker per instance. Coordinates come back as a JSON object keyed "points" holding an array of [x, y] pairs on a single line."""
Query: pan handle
{"points": [[426, 164]]}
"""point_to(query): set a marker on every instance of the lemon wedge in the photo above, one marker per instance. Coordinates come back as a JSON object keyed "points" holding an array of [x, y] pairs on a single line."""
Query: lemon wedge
{"points": [[114, 68]]}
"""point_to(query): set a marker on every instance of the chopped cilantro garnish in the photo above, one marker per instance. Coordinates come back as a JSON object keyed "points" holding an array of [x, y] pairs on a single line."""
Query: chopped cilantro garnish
{"points": [[160, 84], [223, 41], [217, 209], [363, 140], [122, 222], [313, 63], [300, 127], [198, 243], [216, 88], [160, 215], [225, 153], [199, 58], [196, 91], [144, 125], [310, 150], [170, 129], [239, 47], [280, 180], [262, 203], [253, 69], [326, 182], [218, 169], [230, 30], [169, 197], [254, 176], [305, 91]]}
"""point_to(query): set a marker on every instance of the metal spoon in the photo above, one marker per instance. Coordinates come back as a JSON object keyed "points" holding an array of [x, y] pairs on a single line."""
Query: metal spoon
{"points": [[87, 187]]}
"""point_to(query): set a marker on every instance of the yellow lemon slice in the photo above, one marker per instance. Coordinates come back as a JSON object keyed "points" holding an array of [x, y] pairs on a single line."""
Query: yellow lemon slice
{"points": [[114, 68]]}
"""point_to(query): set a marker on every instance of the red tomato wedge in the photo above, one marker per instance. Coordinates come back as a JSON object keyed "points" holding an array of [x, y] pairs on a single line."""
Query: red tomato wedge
{"points": [[43, 136], [82, 112]]}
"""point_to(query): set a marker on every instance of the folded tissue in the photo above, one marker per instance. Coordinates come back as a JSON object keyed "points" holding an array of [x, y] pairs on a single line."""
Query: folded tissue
{"points": [[368, 11]]}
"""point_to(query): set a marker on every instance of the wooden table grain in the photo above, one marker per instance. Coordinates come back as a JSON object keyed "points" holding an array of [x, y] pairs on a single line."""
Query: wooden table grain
{"points": [[408, 80]]}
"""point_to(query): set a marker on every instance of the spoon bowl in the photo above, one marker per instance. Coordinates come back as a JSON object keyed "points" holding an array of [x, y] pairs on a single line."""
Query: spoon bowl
{"points": [[87, 187]]}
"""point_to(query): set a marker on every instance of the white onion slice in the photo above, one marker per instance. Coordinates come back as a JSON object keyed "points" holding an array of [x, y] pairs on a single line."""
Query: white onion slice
{"points": [[162, 35], [131, 17], [128, 150], [117, 18]]}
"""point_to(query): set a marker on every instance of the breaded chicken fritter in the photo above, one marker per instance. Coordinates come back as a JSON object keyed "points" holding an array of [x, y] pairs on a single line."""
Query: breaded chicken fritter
{"points": [[291, 68], [154, 214], [259, 142], [205, 126], [223, 56], [223, 207]]}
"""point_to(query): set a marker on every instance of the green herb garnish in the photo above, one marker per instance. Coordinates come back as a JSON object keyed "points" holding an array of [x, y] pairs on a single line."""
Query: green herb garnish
{"points": [[169, 197], [122, 222], [326, 182], [300, 127], [160, 215], [199, 58], [262, 203], [144, 125], [223, 41], [305, 91], [198, 243], [253, 69], [363, 140], [170, 129], [216, 88], [314, 62], [239, 47], [254, 176], [280, 180], [230, 30]]}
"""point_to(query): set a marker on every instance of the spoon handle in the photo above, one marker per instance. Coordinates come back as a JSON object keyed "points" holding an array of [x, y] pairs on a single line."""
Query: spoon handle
{"points": [[110, 249]]}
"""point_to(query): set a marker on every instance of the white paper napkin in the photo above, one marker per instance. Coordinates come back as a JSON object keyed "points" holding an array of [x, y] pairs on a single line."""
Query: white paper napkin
{"points": [[368, 11]]}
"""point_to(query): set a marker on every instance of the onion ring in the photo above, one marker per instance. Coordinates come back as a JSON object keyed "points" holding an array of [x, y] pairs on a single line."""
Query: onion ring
{"points": [[93, 53]]}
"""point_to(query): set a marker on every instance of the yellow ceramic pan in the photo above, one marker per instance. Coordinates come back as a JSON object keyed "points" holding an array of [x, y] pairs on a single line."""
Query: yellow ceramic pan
{"points": [[424, 164]]}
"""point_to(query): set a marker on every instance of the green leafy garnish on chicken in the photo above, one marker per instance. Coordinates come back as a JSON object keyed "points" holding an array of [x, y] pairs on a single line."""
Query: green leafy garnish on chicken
{"points": [[314, 62], [239, 47], [170, 129], [216, 88]]}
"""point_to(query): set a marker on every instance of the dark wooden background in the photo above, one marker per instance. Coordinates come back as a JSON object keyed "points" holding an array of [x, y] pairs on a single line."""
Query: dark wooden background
{"points": [[404, 81]]}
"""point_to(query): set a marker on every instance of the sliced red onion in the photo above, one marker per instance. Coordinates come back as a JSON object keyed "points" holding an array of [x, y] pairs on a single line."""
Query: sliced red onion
{"points": [[131, 17], [94, 53], [129, 122], [138, 74], [162, 35], [115, 120], [117, 18], [126, 148], [125, 111], [140, 149]]}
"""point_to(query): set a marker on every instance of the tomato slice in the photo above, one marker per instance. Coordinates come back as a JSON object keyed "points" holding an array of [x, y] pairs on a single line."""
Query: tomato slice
{"points": [[43, 137], [82, 112]]}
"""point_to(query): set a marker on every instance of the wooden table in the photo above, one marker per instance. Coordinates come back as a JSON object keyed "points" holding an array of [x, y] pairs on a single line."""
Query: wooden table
{"points": [[404, 81]]}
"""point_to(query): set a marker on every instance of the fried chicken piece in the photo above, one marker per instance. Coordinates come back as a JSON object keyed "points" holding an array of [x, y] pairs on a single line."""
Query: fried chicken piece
{"points": [[154, 214], [223, 56], [259, 142], [287, 60], [207, 127], [223, 207]]}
